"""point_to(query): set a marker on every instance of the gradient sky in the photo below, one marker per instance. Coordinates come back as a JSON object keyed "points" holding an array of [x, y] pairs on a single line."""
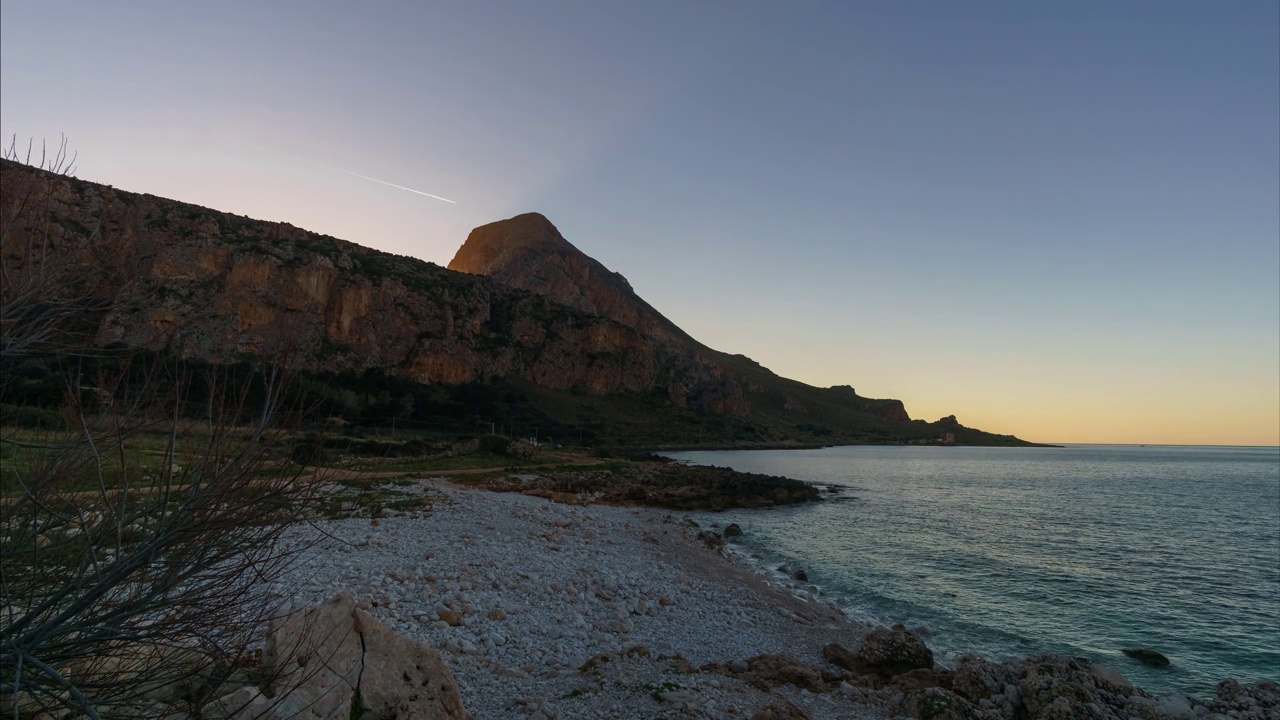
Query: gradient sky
{"points": [[1059, 220]]}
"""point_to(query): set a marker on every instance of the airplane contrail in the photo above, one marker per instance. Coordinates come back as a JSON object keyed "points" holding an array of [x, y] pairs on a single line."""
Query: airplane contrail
{"points": [[353, 174], [384, 182]]}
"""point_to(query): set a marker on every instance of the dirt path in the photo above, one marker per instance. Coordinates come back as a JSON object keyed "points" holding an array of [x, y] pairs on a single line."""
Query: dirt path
{"points": [[339, 474]]}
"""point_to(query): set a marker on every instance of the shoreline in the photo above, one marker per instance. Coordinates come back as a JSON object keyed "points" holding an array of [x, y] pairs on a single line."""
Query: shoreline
{"points": [[542, 587], [691, 447], [520, 593]]}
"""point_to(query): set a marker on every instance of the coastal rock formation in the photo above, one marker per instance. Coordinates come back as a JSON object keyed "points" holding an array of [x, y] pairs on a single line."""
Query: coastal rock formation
{"points": [[1148, 657], [663, 484], [523, 306], [886, 652]]}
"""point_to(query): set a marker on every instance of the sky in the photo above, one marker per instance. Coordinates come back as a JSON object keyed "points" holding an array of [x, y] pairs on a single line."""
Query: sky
{"points": [[1057, 220]]}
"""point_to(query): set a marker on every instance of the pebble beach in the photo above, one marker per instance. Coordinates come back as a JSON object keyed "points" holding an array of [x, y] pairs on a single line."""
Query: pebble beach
{"points": [[520, 594]]}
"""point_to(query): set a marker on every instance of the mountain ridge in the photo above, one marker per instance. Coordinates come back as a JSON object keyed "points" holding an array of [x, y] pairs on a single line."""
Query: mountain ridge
{"points": [[199, 283]]}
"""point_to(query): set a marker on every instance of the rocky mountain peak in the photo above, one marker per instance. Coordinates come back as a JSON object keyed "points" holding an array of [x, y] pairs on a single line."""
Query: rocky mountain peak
{"points": [[528, 252], [510, 243]]}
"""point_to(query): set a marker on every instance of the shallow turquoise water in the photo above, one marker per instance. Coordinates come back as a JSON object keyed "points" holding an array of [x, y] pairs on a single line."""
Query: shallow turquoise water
{"points": [[1008, 552]]}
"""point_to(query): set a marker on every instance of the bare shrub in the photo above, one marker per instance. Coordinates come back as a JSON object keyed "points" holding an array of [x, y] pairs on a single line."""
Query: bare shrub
{"points": [[135, 538]]}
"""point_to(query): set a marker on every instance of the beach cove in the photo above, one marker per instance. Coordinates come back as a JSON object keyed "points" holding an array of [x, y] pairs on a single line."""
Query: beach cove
{"points": [[552, 610]]}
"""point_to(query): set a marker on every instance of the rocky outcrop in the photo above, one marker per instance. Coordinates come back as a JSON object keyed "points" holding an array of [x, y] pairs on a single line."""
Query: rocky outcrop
{"points": [[667, 485], [1146, 656], [885, 652]]}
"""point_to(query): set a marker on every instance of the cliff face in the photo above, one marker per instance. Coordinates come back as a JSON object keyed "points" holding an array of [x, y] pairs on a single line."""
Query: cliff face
{"points": [[525, 305], [218, 287]]}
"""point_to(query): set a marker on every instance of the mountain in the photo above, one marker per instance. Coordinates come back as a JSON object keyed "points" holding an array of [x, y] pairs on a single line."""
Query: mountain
{"points": [[529, 253], [521, 309]]}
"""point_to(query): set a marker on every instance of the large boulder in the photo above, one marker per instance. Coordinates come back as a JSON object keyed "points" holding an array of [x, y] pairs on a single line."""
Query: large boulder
{"points": [[315, 657], [1147, 656], [404, 679], [885, 652], [326, 658]]}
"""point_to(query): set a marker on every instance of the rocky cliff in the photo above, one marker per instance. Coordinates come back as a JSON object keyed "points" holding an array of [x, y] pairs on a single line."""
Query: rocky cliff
{"points": [[529, 253], [527, 306]]}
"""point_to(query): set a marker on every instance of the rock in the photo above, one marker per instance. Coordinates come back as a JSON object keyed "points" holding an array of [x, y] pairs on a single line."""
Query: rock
{"points": [[323, 656], [1111, 675], [452, 617], [497, 614], [766, 672], [1147, 657], [885, 651], [677, 696], [837, 654], [1174, 706], [801, 575], [732, 530], [1257, 700], [923, 679], [404, 679], [1051, 687], [1230, 691], [938, 704], [245, 703], [314, 654]]}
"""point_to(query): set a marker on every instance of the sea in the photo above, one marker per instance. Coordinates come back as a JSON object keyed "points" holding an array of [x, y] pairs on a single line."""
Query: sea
{"points": [[1082, 550]]}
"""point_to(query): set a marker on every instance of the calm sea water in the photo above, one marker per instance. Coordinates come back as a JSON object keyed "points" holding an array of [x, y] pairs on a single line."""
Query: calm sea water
{"points": [[1008, 552]]}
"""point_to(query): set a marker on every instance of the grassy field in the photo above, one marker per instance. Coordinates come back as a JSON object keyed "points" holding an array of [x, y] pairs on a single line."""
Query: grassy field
{"points": [[140, 459]]}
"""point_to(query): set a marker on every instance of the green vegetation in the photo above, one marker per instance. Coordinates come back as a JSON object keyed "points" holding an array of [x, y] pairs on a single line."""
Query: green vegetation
{"points": [[375, 415]]}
